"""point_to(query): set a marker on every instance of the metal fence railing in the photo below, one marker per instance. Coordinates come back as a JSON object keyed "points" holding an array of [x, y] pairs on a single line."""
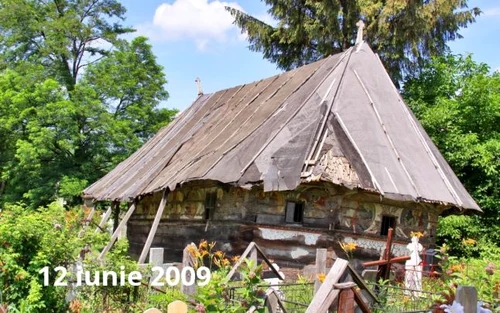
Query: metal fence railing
{"points": [[295, 297], [395, 299]]}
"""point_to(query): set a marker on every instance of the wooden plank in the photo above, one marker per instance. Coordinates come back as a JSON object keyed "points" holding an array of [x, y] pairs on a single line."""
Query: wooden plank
{"points": [[361, 283], [273, 302], [346, 301], [327, 305], [322, 299], [124, 221], [246, 253], [346, 285], [240, 260], [88, 218], [103, 220], [268, 262], [154, 227], [321, 255], [253, 257], [361, 302]]}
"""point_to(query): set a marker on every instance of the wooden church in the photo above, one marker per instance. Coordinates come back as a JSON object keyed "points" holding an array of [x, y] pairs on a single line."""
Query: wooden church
{"points": [[326, 153]]}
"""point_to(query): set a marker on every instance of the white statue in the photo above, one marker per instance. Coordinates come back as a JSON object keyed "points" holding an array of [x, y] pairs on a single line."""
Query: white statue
{"points": [[413, 268]]}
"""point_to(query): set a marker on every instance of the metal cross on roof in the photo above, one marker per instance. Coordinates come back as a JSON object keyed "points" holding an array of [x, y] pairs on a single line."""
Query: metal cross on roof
{"points": [[198, 83], [359, 37]]}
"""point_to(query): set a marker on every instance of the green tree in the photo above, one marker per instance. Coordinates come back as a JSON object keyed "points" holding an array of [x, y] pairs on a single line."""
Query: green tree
{"points": [[60, 140], [63, 35], [458, 102], [404, 33]]}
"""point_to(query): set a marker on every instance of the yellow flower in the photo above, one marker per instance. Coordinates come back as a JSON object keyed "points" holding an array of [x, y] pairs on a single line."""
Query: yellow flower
{"points": [[235, 258], [348, 246], [469, 241], [321, 277], [225, 262], [416, 234], [456, 268], [219, 254], [192, 250], [203, 244]]}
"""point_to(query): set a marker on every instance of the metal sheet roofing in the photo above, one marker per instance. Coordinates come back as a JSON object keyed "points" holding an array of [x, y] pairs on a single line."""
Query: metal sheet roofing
{"points": [[279, 131]]}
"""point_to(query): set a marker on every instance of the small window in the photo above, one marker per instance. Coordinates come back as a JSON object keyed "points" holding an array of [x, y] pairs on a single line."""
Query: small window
{"points": [[387, 222], [294, 212], [210, 200]]}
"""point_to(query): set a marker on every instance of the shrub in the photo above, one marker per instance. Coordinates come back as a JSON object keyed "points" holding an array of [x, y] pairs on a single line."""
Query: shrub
{"points": [[29, 241]]}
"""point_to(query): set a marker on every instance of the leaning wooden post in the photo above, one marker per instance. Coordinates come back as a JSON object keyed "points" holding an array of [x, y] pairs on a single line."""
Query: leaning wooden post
{"points": [[117, 231], [87, 203], [116, 214], [187, 260], [253, 257], [321, 255], [327, 292], [154, 227], [467, 297], [104, 219]]}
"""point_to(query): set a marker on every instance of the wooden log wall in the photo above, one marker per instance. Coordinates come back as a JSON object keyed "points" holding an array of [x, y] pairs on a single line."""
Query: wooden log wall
{"points": [[331, 214]]}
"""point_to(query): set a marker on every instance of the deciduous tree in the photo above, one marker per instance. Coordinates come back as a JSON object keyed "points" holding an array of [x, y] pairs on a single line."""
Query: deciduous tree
{"points": [[458, 102]]}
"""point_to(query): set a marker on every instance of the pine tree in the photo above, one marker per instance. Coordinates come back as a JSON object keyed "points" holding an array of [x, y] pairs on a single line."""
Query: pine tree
{"points": [[403, 32]]}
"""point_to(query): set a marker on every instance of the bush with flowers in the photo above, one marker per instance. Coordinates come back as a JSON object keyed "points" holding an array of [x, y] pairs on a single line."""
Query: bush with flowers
{"points": [[215, 296]]}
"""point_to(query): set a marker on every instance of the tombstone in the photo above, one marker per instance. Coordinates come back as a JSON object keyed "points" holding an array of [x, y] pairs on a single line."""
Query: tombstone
{"points": [[413, 268], [187, 261], [467, 297], [321, 255]]}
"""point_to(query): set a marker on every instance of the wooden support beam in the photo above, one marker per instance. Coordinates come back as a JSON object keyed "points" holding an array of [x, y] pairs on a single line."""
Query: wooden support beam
{"points": [[154, 227], [103, 220], [116, 214], [273, 302], [87, 203], [326, 294], [361, 283], [360, 301], [249, 253], [240, 260], [124, 221]]}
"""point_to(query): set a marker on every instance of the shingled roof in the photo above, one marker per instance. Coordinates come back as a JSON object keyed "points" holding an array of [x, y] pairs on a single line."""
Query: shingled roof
{"points": [[339, 119]]}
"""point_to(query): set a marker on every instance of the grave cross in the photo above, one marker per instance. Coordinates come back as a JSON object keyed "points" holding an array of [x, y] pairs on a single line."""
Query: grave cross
{"points": [[384, 264]]}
